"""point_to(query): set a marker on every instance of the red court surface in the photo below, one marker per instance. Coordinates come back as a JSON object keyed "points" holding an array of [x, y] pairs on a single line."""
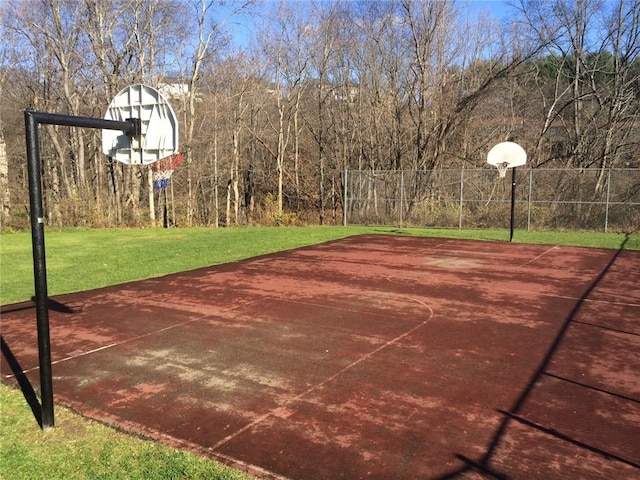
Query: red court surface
{"points": [[375, 356]]}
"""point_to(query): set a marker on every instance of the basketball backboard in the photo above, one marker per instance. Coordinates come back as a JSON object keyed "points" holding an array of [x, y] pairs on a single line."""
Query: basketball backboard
{"points": [[506, 155], [159, 127]]}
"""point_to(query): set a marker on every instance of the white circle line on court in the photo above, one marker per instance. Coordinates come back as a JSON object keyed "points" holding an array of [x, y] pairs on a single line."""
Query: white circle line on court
{"points": [[297, 397]]}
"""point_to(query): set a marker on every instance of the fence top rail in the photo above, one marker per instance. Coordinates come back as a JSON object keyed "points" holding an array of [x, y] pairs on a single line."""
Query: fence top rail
{"points": [[522, 169]]}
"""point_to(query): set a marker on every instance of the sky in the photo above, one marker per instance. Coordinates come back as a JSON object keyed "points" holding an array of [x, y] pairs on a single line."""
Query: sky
{"points": [[243, 32], [496, 8]]}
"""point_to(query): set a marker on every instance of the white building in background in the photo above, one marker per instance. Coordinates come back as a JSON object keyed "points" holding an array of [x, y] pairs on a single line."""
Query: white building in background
{"points": [[174, 90]]}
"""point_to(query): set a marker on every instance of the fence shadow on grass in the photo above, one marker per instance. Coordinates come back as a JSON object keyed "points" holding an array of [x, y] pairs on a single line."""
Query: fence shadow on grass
{"points": [[482, 465]]}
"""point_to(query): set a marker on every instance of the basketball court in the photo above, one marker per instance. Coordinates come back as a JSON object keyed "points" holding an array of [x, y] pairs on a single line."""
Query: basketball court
{"points": [[375, 356]]}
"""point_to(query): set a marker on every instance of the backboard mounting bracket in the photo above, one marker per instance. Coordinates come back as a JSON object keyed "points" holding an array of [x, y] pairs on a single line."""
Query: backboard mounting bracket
{"points": [[156, 134]]}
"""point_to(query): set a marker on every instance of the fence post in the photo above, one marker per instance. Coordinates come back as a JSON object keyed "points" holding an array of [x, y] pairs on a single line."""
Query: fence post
{"points": [[513, 203], [401, 194], [529, 200], [606, 208], [344, 200], [461, 190]]}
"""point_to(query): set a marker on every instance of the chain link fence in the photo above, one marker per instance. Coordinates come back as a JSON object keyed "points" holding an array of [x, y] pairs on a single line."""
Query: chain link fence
{"points": [[545, 199]]}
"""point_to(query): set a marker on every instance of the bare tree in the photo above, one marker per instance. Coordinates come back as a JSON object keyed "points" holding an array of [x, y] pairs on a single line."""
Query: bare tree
{"points": [[55, 50], [617, 94], [113, 44], [323, 43], [587, 79], [285, 62], [4, 181], [210, 38], [400, 84], [5, 196]]}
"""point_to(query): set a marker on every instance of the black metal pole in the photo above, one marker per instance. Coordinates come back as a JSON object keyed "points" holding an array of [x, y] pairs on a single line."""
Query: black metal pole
{"points": [[39, 269], [513, 201], [32, 120]]}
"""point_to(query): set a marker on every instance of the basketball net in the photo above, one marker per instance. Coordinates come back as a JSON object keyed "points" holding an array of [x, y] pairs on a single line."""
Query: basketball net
{"points": [[163, 169], [502, 168]]}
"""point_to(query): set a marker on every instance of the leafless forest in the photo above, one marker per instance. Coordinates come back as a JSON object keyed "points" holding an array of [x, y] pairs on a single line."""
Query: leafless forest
{"points": [[276, 100]]}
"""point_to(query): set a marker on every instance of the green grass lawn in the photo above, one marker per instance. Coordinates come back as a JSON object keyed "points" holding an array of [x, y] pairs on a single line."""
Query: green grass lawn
{"points": [[83, 259], [79, 448]]}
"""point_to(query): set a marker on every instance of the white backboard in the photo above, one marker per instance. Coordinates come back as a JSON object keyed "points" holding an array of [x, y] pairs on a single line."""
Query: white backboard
{"points": [[159, 127], [507, 152]]}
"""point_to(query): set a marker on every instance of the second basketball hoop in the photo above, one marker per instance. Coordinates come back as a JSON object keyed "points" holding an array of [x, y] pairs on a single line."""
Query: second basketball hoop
{"points": [[506, 155]]}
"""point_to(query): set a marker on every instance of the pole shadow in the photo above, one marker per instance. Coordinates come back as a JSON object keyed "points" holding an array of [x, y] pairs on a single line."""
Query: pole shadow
{"points": [[24, 384], [51, 305], [56, 306], [23, 381]]}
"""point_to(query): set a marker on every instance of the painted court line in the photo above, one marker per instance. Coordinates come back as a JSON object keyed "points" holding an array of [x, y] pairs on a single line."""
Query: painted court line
{"points": [[129, 340], [70, 357], [319, 385], [567, 297], [333, 307], [549, 250]]}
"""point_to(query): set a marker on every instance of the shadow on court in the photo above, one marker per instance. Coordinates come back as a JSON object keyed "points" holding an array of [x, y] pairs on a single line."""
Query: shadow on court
{"points": [[370, 357], [483, 465]]}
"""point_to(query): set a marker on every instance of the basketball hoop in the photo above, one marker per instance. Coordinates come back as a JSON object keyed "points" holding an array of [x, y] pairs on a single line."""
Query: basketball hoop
{"points": [[506, 155], [502, 168], [163, 169], [503, 156]]}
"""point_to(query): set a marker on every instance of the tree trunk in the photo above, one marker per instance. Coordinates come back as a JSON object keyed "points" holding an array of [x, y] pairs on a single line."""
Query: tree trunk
{"points": [[5, 215], [152, 208]]}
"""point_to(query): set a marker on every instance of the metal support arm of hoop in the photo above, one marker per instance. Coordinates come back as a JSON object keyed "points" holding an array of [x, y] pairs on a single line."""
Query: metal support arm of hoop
{"points": [[131, 127]]}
